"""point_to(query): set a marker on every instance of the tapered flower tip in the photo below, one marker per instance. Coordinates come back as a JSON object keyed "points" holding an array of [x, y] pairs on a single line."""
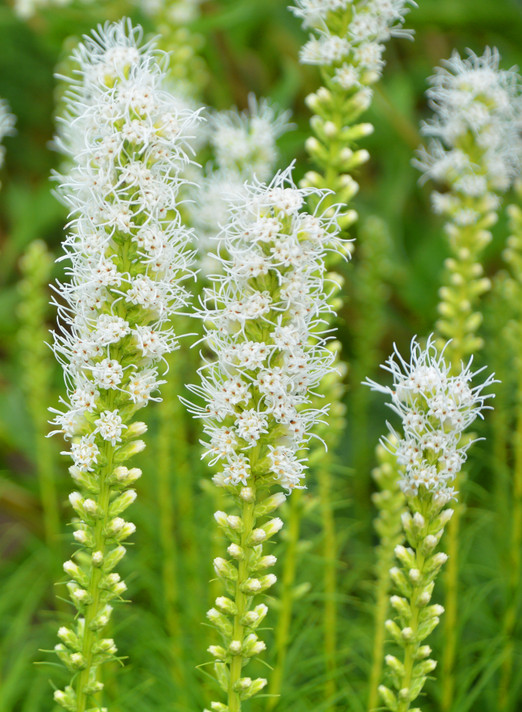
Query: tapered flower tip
{"points": [[476, 128]]}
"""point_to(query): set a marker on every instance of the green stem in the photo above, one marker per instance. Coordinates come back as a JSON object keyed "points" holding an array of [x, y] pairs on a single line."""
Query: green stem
{"points": [[515, 559], [282, 631], [169, 559], [391, 504], [381, 613], [330, 575], [451, 607], [93, 590], [241, 601]]}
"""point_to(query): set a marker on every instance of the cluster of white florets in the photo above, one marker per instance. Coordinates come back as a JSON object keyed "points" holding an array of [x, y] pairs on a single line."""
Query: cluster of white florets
{"points": [[355, 57], [244, 145], [476, 146], [263, 320], [127, 250], [436, 408], [7, 124]]}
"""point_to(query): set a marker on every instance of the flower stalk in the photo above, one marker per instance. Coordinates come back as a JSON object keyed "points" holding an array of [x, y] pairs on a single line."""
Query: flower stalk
{"points": [[513, 256], [128, 258], [436, 408], [263, 317], [473, 152], [347, 43], [390, 503], [36, 266]]}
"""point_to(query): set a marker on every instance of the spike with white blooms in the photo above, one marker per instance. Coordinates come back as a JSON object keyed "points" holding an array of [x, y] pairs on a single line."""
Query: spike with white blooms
{"points": [[436, 406], [264, 319], [128, 257]]}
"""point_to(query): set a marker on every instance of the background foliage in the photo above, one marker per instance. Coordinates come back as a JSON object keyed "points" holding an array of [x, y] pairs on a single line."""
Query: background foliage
{"points": [[391, 294]]}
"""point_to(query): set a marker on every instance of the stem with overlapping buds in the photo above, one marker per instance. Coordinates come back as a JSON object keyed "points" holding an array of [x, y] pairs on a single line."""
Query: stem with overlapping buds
{"points": [[475, 152], [129, 255], [390, 503], [414, 618], [436, 408], [37, 377], [347, 44], [513, 256], [244, 577], [264, 320]]}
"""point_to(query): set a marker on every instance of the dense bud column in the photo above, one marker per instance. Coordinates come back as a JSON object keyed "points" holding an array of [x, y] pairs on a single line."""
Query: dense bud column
{"points": [[475, 153], [128, 256], [263, 318], [435, 408], [390, 504], [513, 329], [347, 44], [38, 370]]}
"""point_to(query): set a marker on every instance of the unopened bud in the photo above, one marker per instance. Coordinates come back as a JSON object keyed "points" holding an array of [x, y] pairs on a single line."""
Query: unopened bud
{"points": [[136, 429]]}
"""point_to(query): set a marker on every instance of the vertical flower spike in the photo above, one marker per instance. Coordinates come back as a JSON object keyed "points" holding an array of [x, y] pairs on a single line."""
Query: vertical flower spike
{"points": [[436, 408], [474, 153], [128, 256], [347, 43], [263, 320], [245, 143], [513, 339]]}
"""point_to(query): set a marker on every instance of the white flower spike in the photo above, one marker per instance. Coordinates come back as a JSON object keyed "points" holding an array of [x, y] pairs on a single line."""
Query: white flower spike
{"points": [[435, 408], [128, 256]]}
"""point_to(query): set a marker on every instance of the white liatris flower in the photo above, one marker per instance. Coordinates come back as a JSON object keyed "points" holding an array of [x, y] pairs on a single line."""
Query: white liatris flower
{"points": [[436, 406], [476, 146], [264, 320], [128, 256], [356, 55], [7, 126]]}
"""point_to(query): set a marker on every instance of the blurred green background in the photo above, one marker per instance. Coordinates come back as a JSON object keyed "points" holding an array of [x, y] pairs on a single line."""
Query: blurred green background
{"points": [[247, 47]]}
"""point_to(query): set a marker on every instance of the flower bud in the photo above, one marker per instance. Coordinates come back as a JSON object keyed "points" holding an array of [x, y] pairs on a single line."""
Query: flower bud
{"points": [[225, 569], [217, 651], [136, 429], [226, 605], [121, 503], [236, 552]]}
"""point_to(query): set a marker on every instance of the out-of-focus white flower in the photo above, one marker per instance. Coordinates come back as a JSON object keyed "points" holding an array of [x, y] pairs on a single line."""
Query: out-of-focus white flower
{"points": [[7, 126], [245, 147], [435, 408], [476, 144], [245, 143], [263, 320]]}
